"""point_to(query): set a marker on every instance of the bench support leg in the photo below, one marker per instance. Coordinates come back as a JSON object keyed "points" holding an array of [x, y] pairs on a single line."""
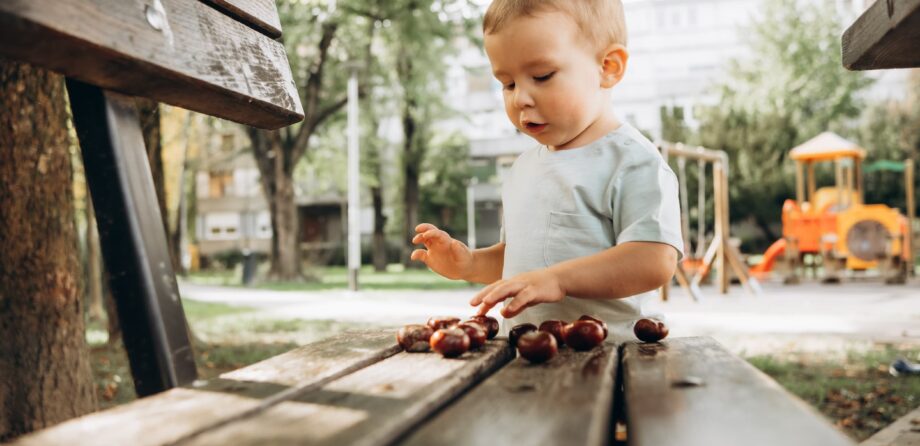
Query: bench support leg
{"points": [[133, 238]]}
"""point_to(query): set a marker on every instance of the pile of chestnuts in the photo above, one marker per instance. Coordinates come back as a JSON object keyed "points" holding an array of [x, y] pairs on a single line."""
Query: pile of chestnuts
{"points": [[650, 330], [447, 335], [540, 344]]}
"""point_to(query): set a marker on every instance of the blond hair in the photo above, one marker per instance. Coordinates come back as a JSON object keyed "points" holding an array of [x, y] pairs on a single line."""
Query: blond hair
{"points": [[601, 21]]}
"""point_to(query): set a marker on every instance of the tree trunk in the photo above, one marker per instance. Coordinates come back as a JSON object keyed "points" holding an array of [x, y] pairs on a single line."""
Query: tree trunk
{"points": [[46, 376], [93, 265], [410, 197], [149, 113], [380, 222], [276, 176]]}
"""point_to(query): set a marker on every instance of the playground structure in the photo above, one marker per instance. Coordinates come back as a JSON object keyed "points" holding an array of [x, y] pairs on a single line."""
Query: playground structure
{"points": [[698, 263], [834, 224]]}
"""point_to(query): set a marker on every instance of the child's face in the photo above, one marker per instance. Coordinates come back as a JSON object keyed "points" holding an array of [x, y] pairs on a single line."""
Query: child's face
{"points": [[552, 80]]}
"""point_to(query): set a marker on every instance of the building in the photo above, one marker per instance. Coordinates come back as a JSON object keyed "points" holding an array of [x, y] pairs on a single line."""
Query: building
{"points": [[233, 215]]}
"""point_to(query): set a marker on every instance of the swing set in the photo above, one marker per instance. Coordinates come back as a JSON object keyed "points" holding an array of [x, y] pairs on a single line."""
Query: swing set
{"points": [[699, 257]]}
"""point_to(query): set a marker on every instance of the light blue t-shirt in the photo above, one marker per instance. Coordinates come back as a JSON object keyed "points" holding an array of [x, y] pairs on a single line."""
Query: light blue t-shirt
{"points": [[560, 205]]}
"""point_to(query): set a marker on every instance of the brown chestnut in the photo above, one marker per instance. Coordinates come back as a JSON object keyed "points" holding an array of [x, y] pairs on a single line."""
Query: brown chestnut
{"points": [[554, 327], [586, 317], [584, 334], [650, 330], [519, 330], [490, 323], [476, 332], [439, 322], [414, 337], [537, 346], [450, 342]]}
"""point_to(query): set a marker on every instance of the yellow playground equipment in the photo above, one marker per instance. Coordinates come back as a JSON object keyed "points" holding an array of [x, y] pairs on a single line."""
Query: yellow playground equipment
{"points": [[835, 225]]}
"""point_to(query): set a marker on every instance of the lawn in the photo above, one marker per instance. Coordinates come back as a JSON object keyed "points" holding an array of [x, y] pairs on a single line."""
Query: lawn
{"points": [[396, 277]]}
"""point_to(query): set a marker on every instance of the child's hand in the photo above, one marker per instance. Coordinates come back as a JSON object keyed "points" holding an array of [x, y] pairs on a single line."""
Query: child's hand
{"points": [[445, 255], [527, 289]]}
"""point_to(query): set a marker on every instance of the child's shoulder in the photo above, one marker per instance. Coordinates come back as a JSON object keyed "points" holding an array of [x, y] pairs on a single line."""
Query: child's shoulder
{"points": [[630, 147]]}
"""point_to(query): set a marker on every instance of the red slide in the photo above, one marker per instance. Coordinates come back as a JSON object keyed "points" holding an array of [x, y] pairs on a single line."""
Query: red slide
{"points": [[775, 250]]}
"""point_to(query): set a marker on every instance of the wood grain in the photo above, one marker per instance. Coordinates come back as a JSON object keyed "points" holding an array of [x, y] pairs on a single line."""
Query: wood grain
{"points": [[566, 401], [180, 413], [262, 15], [886, 35], [179, 52], [693, 390], [372, 406]]}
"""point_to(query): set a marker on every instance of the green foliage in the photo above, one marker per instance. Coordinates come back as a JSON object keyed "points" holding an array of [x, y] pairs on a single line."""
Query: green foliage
{"points": [[789, 88], [890, 130], [443, 182]]}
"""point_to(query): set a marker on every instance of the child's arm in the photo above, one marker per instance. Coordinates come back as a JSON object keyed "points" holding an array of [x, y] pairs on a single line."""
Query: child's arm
{"points": [[454, 260], [614, 273]]}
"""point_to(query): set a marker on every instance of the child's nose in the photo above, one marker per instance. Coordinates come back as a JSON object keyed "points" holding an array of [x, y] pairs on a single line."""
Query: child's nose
{"points": [[522, 98]]}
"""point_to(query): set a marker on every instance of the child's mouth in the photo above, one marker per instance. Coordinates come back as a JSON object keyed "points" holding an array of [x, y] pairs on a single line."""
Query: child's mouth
{"points": [[534, 127]]}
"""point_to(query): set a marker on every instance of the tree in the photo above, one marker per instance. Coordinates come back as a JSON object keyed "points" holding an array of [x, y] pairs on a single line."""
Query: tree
{"points": [[420, 39], [43, 356], [446, 172], [320, 40], [789, 88], [890, 130]]}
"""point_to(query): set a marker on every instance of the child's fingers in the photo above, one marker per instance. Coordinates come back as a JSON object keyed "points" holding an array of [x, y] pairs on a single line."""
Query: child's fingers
{"points": [[424, 227], [477, 299], [430, 237], [420, 255], [503, 291], [518, 304]]}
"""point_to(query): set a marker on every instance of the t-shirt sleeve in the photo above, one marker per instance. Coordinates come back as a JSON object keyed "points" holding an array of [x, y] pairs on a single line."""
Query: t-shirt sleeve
{"points": [[646, 206]]}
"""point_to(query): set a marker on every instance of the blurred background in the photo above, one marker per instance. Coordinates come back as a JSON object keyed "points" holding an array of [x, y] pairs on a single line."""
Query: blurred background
{"points": [[258, 220]]}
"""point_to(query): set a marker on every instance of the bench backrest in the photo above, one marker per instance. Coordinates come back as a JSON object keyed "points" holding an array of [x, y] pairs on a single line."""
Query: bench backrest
{"points": [[217, 57]]}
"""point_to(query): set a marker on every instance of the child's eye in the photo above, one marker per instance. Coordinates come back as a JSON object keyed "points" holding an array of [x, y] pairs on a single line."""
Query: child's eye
{"points": [[508, 87], [545, 77]]}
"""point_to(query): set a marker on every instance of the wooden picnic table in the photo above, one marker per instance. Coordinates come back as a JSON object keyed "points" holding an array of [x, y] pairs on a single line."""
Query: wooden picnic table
{"points": [[359, 388]]}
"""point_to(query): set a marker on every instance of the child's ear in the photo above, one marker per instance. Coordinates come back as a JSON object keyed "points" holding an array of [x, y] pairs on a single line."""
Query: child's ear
{"points": [[613, 65]]}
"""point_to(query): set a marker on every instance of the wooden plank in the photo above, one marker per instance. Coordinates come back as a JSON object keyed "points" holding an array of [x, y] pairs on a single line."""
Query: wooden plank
{"points": [[262, 15], [886, 35], [566, 401], [903, 432], [174, 51], [372, 406], [691, 390], [171, 416]]}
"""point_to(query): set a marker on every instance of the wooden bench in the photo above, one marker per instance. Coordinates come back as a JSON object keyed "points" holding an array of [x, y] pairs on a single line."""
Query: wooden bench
{"points": [[360, 389], [218, 57]]}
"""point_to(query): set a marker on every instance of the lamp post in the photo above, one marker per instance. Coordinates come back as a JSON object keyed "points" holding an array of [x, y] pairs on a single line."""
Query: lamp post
{"points": [[471, 212], [354, 197]]}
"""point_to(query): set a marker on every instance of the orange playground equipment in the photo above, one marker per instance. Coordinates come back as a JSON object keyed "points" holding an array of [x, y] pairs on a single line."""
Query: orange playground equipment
{"points": [[834, 225]]}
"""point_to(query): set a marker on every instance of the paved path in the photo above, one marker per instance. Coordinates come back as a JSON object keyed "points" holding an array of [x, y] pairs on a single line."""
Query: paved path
{"points": [[803, 317]]}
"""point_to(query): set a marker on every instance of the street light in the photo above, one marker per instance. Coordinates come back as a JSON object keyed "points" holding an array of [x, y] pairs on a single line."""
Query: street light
{"points": [[354, 183]]}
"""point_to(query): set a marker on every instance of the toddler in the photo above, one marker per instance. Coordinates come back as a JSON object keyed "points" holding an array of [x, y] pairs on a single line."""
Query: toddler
{"points": [[591, 221]]}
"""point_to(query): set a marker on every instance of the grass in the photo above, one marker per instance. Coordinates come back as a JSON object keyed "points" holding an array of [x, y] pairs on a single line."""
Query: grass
{"points": [[854, 390], [396, 277]]}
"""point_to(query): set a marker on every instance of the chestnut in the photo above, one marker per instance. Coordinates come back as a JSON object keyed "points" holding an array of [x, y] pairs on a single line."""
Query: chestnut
{"points": [[476, 332], [554, 327], [650, 330], [490, 323], [537, 346], [414, 337], [450, 342], [439, 322], [519, 330], [583, 334], [586, 317]]}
